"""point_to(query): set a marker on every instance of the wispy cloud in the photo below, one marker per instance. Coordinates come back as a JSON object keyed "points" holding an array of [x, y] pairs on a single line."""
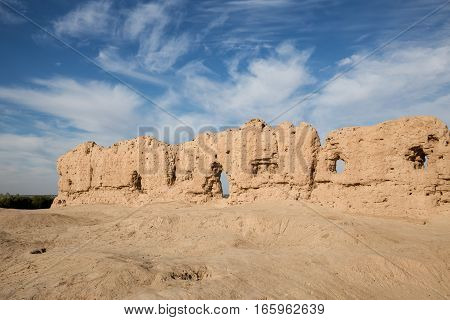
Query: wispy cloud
{"points": [[28, 162], [253, 90], [91, 18], [144, 17], [93, 106], [110, 59], [148, 24], [159, 58], [258, 21], [406, 79], [9, 17]]}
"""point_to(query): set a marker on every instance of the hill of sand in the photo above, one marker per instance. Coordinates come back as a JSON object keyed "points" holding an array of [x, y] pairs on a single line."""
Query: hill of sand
{"points": [[263, 250]]}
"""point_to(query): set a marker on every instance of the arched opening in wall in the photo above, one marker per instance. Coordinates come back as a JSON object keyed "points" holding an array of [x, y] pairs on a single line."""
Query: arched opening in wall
{"points": [[213, 184], [340, 166], [337, 165], [225, 184], [418, 157]]}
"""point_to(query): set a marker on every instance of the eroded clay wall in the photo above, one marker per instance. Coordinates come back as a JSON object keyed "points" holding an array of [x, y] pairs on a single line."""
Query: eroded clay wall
{"points": [[396, 167], [259, 161]]}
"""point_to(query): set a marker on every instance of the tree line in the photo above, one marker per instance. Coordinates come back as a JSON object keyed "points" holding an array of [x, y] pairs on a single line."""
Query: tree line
{"points": [[25, 202]]}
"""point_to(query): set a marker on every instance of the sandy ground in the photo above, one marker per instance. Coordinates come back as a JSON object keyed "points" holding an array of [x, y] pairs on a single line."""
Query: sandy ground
{"points": [[264, 250]]}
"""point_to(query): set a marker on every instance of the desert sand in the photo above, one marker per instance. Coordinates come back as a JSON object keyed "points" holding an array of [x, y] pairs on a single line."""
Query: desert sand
{"points": [[262, 250]]}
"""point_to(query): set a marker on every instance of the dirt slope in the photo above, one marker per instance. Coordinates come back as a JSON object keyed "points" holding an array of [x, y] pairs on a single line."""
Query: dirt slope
{"points": [[264, 250]]}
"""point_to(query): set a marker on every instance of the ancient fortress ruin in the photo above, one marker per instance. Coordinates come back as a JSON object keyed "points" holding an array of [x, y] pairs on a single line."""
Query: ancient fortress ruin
{"points": [[399, 167]]}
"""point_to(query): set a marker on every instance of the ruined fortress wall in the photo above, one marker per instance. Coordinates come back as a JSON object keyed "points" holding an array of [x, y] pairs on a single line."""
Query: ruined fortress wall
{"points": [[400, 166], [259, 161]]}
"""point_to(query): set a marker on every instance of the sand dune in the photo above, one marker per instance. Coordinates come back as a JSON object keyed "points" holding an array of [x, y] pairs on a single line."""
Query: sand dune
{"points": [[264, 250]]}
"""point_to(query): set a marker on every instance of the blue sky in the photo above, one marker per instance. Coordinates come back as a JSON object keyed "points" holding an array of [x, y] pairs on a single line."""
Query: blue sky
{"points": [[215, 63]]}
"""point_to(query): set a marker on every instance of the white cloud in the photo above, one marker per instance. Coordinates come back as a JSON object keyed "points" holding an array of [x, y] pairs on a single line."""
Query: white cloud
{"points": [[110, 59], [265, 85], [92, 18], [347, 61], [147, 25], [93, 106], [28, 162], [7, 16], [404, 80], [261, 22], [144, 16], [159, 58]]}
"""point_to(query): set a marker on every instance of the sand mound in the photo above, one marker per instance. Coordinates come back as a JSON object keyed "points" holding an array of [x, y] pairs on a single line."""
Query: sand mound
{"points": [[264, 250]]}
